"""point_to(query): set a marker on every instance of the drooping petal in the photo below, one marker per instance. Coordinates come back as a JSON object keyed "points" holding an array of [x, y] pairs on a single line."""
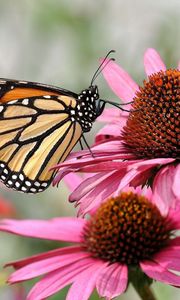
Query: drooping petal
{"points": [[46, 265], [85, 283], [60, 229], [153, 62], [56, 280], [162, 189], [112, 281], [120, 82], [109, 166], [99, 194], [73, 180], [86, 186], [160, 273]]}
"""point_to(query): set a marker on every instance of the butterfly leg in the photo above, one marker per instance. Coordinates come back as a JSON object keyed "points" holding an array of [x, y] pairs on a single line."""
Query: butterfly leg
{"points": [[86, 143], [81, 145]]}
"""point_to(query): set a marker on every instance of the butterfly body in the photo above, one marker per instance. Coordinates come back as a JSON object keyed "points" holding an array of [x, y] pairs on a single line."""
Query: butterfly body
{"points": [[39, 126]]}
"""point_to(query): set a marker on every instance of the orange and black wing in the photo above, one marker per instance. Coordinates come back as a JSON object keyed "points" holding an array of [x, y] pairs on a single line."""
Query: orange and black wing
{"points": [[36, 132], [11, 89]]}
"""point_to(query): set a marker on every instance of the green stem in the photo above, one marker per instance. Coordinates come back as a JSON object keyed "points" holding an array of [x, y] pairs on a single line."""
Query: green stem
{"points": [[141, 283], [144, 292]]}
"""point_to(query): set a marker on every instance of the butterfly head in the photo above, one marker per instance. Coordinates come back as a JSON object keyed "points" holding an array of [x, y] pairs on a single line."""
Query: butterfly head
{"points": [[89, 95]]}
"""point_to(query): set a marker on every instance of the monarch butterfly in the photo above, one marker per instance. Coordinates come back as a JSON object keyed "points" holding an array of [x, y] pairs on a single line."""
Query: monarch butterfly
{"points": [[39, 126]]}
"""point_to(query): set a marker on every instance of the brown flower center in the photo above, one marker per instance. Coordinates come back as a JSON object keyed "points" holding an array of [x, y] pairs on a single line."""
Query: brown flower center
{"points": [[153, 129], [126, 229]]}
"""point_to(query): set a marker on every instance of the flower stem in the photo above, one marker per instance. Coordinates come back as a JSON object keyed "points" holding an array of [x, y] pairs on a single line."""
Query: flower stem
{"points": [[145, 292], [141, 283]]}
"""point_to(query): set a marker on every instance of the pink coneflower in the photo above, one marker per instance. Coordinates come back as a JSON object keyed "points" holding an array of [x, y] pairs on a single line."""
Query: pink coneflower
{"points": [[137, 148], [128, 236]]}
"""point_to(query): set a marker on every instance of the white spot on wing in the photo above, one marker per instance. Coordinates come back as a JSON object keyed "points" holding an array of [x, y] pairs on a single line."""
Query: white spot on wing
{"points": [[22, 81], [21, 177], [25, 101], [1, 108], [24, 188], [47, 96], [12, 102]]}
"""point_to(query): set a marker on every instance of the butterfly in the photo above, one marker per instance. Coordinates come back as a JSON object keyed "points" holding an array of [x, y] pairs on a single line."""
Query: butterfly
{"points": [[39, 126]]}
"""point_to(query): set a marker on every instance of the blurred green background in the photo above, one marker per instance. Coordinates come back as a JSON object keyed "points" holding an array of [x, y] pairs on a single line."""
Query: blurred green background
{"points": [[60, 43]]}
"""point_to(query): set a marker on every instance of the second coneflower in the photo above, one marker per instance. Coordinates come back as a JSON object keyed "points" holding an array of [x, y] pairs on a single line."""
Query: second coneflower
{"points": [[129, 238], [138, 147]]}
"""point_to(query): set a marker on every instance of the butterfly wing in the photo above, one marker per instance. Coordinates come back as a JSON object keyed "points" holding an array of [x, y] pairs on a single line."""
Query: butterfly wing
{"points": [[11, 89], [35, 133]]}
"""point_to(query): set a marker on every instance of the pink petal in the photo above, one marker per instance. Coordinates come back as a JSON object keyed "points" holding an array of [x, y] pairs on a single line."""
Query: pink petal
{"points": [[169, 258], [110, 115], [52, 253], [112, 281], [86, 186], [162, 189], [174, 216], [149, 163], [84, 284], [73, 180], [126, 178], [176, 181], [113, 129], [141, 177], [175, 243], [46, 265], [103, 181], [56, 280], [108, 166], [153, 62], [158, 272], [60, 229], [120, 82], [100, 193], [107, 132]]}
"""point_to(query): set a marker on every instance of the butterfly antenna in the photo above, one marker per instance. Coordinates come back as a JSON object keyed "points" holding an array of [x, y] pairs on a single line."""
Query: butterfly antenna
{"points": [[102, 66]]}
